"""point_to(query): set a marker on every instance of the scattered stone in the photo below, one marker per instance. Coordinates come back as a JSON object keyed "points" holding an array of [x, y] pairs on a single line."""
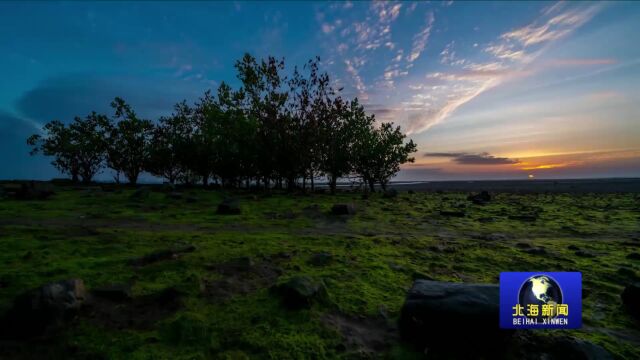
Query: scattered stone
{"points": [[573, 247], [32, 190], [482, 198], [495, 237], [161, 255], [452, 213], [633, 256], [168, 187], [300, 292], [42, 312], [522, 245], [140, 194], [525, 218], [174, 195], [433, 311], [486, 219], [141, 312], [343, 209], [536, 251], [321, 259], [114, 292], [367, 337], [390, 194], [631, 299], [628, 273], [229, 207], [585, 254], [240, 276]]}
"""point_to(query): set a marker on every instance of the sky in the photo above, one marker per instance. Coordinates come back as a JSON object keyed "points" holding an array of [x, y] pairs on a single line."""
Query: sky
{"points": [[487, 90]]}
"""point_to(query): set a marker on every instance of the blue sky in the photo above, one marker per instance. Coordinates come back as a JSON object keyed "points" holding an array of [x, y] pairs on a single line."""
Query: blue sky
{"points": [[487, 90]]}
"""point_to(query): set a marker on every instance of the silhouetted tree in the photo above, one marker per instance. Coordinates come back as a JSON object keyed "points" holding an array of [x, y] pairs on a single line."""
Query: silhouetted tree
{"points": [[128, 141], [57, 142]]}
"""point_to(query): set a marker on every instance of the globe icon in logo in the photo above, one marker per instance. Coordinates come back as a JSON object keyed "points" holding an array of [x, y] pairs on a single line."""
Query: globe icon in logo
{"points": [[540, 290]]}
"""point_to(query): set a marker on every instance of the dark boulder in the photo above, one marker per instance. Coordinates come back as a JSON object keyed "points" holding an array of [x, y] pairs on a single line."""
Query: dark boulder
{"points": [[140, 194], [114, 292], [524, 218], [343, 209], [229, 207], [440, 314], [633, 256], [480, 199], [161, 255], [174, 195], [321, 259], [300, 292], [390, 194], [631, 299], [452, 213], [43, 311], [34, 190]]}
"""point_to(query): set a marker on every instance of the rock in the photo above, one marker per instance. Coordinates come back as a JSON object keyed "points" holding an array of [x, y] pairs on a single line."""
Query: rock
{"points": [[33, 190], [566, 347], [321, 259], [229, 207], [585, 254], [300, 292], [161, 255], [140, 194], [114, 292], [480, 199], [343, 209], [43, 311], [433, 312], [452, 213], [631, 299], [536, 251], [573, 247], [168, 187], [525, 218], [633, 256], [495, 237], [174, 195], [390, 194], [522, 245]]}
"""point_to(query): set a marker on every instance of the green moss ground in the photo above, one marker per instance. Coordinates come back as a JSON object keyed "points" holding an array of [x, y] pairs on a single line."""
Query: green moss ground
{"points": [[377, 253]]}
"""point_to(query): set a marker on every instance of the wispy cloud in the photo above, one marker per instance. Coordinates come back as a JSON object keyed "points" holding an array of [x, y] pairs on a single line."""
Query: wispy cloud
{"points": [[464, 158], [512, 54], [420, 39]]}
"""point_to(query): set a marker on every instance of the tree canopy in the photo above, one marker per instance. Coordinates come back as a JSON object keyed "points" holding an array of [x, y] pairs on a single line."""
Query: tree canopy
{"points": [[278, 129]]}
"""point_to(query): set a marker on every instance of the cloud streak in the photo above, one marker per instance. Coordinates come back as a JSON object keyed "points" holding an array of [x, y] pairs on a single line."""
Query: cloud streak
{"points": [[512, 54], [464, 158]]}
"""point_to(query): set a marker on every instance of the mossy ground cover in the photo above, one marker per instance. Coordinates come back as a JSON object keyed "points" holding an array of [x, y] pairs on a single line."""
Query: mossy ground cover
{"points": [[375, 255]]}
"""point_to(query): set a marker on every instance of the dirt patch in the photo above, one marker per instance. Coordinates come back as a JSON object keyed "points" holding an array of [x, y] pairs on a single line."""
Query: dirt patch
{"points": [[364, 336], [137, 313], [240, 277]]}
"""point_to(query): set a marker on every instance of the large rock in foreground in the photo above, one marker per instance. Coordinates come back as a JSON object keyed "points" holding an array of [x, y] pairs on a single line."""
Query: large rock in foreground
{"points": [[229, 207], [42, 311], [343, 209], [300, 292], [631, 299], [443, 314]]}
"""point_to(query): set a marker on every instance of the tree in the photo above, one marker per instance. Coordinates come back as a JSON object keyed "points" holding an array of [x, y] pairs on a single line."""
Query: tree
{"points": [[57, 142], [89, 144], [390, 151], [128, 141]]}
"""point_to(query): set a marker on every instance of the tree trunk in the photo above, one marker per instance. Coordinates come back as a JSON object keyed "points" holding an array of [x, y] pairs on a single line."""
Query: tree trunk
{"points": [[333, 184]]}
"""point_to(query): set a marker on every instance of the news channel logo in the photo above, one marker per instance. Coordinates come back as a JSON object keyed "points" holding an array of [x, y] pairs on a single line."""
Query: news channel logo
{"points": [[540, 300]]}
